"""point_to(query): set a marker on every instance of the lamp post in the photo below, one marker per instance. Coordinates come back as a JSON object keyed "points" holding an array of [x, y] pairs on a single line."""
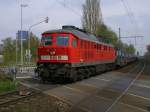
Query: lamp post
{"points": [[22, 5], [16, 48], [29, 42]]}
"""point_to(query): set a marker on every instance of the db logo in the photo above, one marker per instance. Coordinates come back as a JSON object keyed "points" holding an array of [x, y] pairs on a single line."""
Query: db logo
{"points": [[52, 52]]}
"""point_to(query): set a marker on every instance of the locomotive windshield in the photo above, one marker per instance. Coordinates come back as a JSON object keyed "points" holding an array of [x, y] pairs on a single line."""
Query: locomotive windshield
{"points": [[62, 40], [46, 41]]}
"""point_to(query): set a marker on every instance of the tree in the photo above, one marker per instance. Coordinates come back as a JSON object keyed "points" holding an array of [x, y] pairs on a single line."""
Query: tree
{"points": [[92, 18], [34, 46], [108, 34], [34, 43], [92, 23], [148, 49], [147, 54], [8, 50], [130, 49]]}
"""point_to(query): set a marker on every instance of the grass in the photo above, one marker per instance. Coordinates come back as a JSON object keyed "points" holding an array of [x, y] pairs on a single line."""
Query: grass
{"points": [[6, 86], [3, 77]]}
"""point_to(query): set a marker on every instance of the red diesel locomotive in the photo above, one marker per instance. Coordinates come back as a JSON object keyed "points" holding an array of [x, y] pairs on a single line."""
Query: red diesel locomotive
{"points": [[71, 53]]}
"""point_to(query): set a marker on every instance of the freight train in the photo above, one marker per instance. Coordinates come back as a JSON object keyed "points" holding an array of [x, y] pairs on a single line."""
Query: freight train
{"points": [[73, 54]]}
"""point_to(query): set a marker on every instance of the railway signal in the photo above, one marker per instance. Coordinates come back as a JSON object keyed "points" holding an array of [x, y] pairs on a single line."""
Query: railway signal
{"points": [[46, 20], [29, 31]]}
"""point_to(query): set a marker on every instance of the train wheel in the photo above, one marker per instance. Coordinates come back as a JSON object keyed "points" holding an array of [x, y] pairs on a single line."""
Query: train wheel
{"points": [[81, 74], [87, 72], [44, 74], [93, 71], [74, 75]]}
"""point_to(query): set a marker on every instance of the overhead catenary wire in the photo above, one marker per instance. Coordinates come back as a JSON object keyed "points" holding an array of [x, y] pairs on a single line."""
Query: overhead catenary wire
{"points": [[68, 7], [132, 19], [128, 12], [130, 15]]}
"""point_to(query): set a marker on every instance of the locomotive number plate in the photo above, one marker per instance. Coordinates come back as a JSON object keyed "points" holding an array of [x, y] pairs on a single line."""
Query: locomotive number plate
{"points": [[45, 57]]}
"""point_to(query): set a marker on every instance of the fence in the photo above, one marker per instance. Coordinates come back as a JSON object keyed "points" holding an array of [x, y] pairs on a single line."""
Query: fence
{"points": [[20, 70]]}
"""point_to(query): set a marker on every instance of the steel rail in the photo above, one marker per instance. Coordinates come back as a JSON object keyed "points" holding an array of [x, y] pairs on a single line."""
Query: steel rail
{"points": [[74, 105], [125, 91], [14, 98]]}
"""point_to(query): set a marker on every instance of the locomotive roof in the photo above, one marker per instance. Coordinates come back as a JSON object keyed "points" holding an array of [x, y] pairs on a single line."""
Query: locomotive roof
{"points": [[80, 34]]}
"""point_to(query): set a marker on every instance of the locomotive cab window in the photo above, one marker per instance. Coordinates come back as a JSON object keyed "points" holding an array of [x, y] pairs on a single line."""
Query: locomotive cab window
{"points": [[74, 43], [46, 41], [62, 40]]}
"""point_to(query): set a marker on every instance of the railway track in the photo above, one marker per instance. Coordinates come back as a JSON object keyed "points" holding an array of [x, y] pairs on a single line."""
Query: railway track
{"points": [[15, 97], [137, 72], [101, 93], [105, 93]]}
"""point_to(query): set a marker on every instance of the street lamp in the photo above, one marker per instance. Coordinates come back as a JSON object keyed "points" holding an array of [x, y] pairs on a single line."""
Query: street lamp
{"points": [[22, 5], [29, 43]]}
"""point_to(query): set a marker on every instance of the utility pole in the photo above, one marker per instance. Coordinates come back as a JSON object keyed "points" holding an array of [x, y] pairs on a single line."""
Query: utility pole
{"points": [[16, 48], [22, 5], [136, 36], [119, 34]]}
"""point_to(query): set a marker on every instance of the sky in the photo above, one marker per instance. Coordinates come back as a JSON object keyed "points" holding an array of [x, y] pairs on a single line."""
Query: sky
{"points": [[69, 12]]}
